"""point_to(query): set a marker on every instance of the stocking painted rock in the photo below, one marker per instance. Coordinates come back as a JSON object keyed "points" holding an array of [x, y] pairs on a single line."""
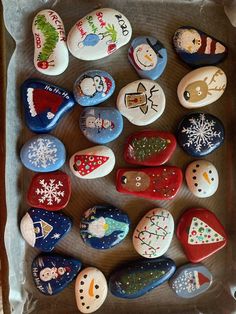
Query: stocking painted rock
{"points": [[199, 134], [50, 191], [50, 51], [202, 178], [191, 280], [93, 87], [200, 233], [44, 104], [99, 34], [139, 277], [148, 56], [44, 229], [90, 290], [149, 148], [160, 183], [104, 226], [101, 125], [201, 87], [52, 272], [43, 153], [94, 162], [197, 48]]}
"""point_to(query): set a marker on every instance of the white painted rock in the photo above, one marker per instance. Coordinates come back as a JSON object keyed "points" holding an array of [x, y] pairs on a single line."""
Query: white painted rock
{"points": [[90, 290], [202, 178], [51, 55], [201, 87], [141, 102], [99, 34], [154, 232], [94, 162]]}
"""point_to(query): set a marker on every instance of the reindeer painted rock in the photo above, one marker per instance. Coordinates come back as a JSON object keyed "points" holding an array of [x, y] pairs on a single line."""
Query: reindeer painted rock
{"points": [[201, 87]]}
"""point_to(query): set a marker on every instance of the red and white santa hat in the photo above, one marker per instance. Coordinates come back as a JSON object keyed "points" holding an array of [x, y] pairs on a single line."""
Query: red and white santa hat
{"points": [[200, 279], [107, 83]]}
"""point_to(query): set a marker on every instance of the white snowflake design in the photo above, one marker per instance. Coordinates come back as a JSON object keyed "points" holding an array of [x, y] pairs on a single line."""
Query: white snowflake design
{"points": [[50, 192], [42, 153], [56, 236]]}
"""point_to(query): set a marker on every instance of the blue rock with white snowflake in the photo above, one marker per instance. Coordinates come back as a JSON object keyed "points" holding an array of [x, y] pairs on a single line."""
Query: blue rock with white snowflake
{"points": [[44, 229], [199, 134], [104, 226], [43, 153]]}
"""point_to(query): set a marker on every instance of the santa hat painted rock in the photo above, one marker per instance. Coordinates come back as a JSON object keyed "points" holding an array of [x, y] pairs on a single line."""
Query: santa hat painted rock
{"points": [[200, 279], [156, 47], [107, 83]]}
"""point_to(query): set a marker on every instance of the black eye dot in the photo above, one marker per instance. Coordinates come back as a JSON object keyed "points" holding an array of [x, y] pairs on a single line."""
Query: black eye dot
{"points": [[197, 165], [85, 276], [212, 179], [199, 190], [87, 307], [194, 178], [195, 184], [96, 286], [97, 296], [210, 171], [81, 291], [81, 282], [81, 298], [83, 304], [194, 170]]}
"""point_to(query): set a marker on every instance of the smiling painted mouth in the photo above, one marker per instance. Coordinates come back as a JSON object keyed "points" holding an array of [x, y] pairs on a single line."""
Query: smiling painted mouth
{"points": [[146, 66]]}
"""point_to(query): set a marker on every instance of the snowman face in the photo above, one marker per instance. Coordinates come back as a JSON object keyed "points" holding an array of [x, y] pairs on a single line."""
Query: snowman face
{"points": [[47, 274], [90, 122], [145, 57], [88, 87], [188, 40]]}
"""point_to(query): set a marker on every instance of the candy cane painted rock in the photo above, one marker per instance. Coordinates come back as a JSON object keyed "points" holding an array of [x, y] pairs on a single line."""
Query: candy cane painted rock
{"points": [[50, 51], [99, 34]]}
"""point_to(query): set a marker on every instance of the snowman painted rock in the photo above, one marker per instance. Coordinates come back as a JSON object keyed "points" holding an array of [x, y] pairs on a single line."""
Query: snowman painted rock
{"points": [[93, 87], [148, 56], [90, 290], [99, 34], [201, 87], [52, 272], [154, 232], [101, 125], [44, 104], [51, 56], [202, 178], [141, 102], [94, 162]]}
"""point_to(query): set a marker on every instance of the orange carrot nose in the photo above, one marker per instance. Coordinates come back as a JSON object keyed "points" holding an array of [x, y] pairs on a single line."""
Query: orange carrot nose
{"points": [[148, 57], [206, 177], [91, 288]]}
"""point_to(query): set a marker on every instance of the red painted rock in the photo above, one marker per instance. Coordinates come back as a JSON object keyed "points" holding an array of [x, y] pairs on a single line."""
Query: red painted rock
{"points": [[200, 233], [50, 191], [160, 183], [149, 148]]}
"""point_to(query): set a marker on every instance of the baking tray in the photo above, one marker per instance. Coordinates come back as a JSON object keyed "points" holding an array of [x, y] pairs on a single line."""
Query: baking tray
{"points": [[159, 19]]}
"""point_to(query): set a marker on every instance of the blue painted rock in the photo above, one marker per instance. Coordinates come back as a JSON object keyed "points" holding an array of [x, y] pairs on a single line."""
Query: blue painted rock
{"points": [[93, 87], [44, 104], [52, 272], [139, 277], [103, 227], [191, 280], [148, 56], [199, 134], [197, 48], [101, 125], [43, 153], [44, 229]]}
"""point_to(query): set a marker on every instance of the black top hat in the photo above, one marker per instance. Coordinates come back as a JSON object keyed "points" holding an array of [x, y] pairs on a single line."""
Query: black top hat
{"points": [[156, 47]]}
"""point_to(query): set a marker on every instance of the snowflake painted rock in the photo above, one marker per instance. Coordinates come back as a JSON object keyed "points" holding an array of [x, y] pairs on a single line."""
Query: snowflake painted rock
{"points": [[50, 191], [43, 153], [44, 229], [200, 233]]}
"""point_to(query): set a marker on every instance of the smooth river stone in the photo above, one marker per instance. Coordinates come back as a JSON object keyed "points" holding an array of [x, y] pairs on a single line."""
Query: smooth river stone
{"points": [[142, 102], [99, 34], [154, 232], [51, 56], [139, 277], [201, 87]]}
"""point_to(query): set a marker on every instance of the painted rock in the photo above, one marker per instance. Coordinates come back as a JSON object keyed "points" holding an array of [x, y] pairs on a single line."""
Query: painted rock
{"points": [[44, 229], [43, 153], [197, 48], [93, 87], [200, 233], [149, 148], [141, 276], [50, 191], [90, 290], [141, 102], [154, 232], [99, 34], [202, 178], [52, 272], [148, 56], [160, 183], [191, 280], [200, 133], [51, 56], [103, 227], [201, 87], [44, 104], [93, 162]]}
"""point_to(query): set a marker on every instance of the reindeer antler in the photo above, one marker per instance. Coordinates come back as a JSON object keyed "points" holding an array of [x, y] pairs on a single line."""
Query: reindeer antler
{"points": [[218, 89], [218, 72]]}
